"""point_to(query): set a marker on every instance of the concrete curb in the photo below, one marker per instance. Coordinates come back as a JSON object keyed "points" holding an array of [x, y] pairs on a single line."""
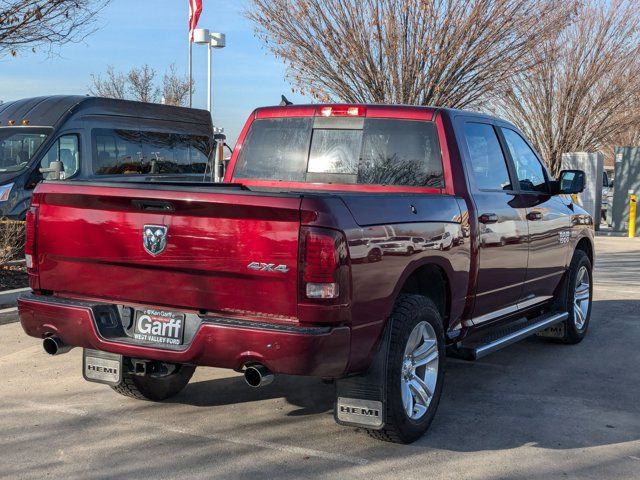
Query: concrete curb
{"points": [[7, 318], [9, 297], [609, 233]]}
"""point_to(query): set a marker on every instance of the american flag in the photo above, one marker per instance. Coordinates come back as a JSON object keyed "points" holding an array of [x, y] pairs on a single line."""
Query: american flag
{"points": [[195, 9]]}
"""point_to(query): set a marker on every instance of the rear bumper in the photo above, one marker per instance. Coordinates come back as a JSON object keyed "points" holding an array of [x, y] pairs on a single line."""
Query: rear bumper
{"points": [[218, 342]]}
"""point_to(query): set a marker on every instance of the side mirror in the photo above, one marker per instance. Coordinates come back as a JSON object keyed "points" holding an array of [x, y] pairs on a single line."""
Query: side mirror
{"points": [[55, 170], [569, 182]]}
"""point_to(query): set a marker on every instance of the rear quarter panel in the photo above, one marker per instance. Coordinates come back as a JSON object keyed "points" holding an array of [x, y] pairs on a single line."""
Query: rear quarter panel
{"points": [[376, 283]]}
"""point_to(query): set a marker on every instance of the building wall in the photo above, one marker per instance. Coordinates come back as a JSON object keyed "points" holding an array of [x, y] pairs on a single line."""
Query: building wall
{"points": [[592, 163], [627, 181]]}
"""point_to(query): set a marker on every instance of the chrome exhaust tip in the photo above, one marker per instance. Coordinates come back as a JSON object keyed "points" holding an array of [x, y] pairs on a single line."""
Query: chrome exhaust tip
{"points": [[258, 376], [54, 346]]}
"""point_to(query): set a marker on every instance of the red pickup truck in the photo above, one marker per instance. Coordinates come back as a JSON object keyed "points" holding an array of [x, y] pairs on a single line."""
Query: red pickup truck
{"points": [[356, 243]]}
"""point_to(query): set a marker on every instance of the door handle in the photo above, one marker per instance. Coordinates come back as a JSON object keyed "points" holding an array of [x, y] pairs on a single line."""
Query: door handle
{"points": [[488, 218], [153, 205], [534, 216]]}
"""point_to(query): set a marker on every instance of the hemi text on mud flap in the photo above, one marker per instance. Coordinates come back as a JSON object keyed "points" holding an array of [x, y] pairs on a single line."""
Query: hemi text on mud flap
{"points": [[359, 412], [102, 367]]}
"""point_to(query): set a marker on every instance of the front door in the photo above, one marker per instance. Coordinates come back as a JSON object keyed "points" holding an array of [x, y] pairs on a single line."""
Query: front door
{"points": [[549, 220], [502, 232]]}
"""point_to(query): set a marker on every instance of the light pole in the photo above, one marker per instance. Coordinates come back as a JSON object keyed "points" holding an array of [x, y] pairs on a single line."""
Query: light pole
{"points": [[202, 36]]}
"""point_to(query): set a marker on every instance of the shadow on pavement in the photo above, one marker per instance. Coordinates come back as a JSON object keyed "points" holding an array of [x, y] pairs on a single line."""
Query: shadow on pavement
{"points": [[535, 392]]}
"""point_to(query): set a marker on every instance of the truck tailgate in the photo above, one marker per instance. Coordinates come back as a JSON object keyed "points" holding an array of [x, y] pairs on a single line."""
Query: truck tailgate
{"points": [[90, 243]]}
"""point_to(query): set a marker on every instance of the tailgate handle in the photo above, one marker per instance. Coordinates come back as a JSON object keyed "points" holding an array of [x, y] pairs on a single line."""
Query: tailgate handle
{"points": [[153, 205]]}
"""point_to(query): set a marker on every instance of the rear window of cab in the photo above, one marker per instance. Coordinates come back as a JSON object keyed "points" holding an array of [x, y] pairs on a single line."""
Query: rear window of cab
{"points": [[378, 152]]}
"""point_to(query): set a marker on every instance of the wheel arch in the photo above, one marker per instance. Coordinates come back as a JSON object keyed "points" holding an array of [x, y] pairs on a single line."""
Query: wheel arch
{"points": [[432, 281], [585, 244]]}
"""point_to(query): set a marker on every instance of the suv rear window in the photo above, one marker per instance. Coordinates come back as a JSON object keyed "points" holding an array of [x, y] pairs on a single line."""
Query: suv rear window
{"points": [[131, 152], [381, 152]]}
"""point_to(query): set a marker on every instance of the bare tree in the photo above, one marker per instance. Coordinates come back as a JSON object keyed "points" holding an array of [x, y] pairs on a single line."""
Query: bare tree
{"points": [[114, 86], [627, 137], [11, 240], [34, 23], [175, 87], [140, 84], [428, 52], [582, 93]]}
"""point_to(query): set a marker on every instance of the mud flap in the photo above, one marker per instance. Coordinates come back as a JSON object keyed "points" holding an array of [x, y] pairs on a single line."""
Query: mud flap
{"points": [[102, 367], [360, 399], [555, 331], [560, 305]]}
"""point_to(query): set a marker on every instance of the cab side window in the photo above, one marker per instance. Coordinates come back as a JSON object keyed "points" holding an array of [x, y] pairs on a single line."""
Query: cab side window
{"points": [[487, 160], [530, 172], [67, 151]]}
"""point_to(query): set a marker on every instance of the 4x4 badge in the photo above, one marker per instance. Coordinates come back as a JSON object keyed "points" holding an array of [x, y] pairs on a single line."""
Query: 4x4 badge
{"points": [[154, 239], [267, 267]]}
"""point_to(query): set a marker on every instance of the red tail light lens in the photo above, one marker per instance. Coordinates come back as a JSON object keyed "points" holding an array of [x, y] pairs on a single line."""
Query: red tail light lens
{"points": [[321, 257], [323, 263], [341, 111], [30, 238]]}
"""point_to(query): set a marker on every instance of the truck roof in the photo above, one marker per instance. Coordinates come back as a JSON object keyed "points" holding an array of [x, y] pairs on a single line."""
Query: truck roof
{"points": [[409, 111], [49, 111]]}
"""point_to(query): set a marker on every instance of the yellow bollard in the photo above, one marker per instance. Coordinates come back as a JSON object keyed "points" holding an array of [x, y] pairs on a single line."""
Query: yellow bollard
{"points": [[633, 199]]}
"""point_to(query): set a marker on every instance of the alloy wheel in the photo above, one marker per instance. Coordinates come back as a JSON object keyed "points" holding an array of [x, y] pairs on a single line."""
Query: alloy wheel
{"points": [[419, 370], [581, 298]]}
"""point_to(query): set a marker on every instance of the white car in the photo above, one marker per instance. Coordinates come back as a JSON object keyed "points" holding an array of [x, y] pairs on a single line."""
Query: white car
{"points": [[419, 244], [396, 245], [363, 249], [440, 242]]}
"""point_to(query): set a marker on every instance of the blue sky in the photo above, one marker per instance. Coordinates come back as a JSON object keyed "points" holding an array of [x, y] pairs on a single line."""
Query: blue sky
{"points": [[132, 33]]}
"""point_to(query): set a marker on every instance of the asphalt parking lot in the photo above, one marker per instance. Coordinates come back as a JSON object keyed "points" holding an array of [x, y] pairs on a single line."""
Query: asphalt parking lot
{"points": [[535, 410]]}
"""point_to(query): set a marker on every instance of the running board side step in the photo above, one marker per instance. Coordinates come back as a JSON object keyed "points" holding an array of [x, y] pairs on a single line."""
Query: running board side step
{"points": [[496, 340]]}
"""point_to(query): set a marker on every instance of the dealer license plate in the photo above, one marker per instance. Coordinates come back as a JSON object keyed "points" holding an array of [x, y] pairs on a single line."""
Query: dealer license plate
{"points": [[159, 326]]}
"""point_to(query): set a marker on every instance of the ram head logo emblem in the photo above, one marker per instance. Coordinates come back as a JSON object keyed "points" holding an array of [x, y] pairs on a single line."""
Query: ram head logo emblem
{"points": [[154, 239]]}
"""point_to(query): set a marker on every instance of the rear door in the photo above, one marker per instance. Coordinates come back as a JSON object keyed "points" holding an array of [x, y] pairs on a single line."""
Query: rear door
{"points": [[502, 223], [548, 218]]}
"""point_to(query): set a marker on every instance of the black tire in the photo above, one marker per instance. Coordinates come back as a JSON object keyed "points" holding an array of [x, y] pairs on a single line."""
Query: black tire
{"points": [[409, 251], [573, 333], [408, 312], [373, 256], [155, 388]]}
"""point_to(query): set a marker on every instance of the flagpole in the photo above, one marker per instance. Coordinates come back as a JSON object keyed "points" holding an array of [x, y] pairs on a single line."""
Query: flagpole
{"points": [[195, 9], [190, 71]]}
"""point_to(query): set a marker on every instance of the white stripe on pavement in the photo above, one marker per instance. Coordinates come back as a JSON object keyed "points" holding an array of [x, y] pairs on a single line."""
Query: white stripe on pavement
{"points": [[252, 442]]}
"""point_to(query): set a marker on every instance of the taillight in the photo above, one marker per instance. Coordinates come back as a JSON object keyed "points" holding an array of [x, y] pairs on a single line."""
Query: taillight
{"points": [[30, 239], [324, 264], [341, 111]]}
